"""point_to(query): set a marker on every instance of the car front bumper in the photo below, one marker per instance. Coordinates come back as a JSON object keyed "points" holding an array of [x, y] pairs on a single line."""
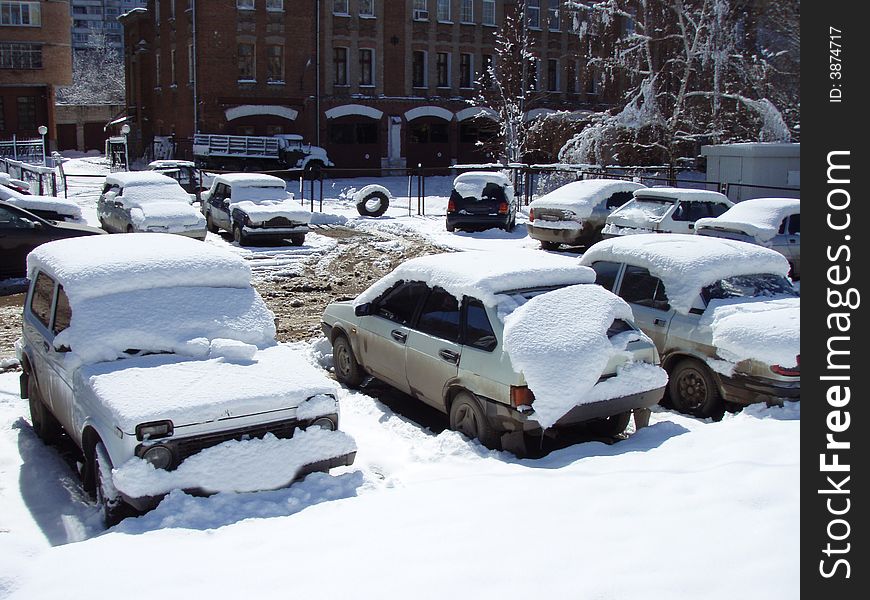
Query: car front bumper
{"points": [[569, 236], [275, 232]]}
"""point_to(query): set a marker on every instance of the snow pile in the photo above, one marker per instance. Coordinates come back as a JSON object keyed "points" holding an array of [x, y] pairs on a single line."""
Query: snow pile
{"points": [[768, 331], [758, 217], [197, 391], [581, 197], [558, 341], [687, 263], [266, 463], [99, 265], [232, 350], [483, 274], [317, 406], [472, 184]]}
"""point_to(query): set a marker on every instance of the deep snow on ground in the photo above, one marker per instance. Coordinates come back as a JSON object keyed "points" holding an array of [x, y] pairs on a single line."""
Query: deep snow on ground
{"points": [[682, 509]]}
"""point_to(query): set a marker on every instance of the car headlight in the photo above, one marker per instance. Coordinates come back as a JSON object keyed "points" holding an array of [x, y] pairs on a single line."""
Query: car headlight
{"points": [[324, 423], [160, 457], [154, 430]]}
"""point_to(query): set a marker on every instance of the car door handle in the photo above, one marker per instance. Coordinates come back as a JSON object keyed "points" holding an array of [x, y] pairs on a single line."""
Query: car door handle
{"points": [[46, 346], [449, 356], [660, 322], [399, 336]]}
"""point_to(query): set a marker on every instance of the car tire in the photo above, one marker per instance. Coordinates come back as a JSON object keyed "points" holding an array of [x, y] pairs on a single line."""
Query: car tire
{"points": [[610, 427], [374, 204], [467, 418], [549, 245], [239, 236], [112, 507], [347, 369], [297, 239], [209, 224], [130, 229], [693, 389], [44, 423], [451, 227]]}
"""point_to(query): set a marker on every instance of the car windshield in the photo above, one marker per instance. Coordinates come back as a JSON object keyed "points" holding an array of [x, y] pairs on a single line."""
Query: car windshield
{"points": [[654, 207], [749, 286]]}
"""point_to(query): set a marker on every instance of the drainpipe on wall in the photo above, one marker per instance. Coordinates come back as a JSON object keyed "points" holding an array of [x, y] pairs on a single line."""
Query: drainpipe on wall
{"points": [[317, 78], [193, 67]]}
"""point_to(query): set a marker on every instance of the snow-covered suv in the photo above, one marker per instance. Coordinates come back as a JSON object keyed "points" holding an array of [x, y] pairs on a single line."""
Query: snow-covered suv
{"points": [[157, 357], [506, 344]]}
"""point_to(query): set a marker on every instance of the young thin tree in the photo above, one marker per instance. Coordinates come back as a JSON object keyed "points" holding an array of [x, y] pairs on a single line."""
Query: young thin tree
{"points": [[98, 75]]}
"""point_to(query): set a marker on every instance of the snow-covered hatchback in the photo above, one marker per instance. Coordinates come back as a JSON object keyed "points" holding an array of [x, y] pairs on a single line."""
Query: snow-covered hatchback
{"points": [[506, 344], [721, 312], [664, 210], [159, 360]]}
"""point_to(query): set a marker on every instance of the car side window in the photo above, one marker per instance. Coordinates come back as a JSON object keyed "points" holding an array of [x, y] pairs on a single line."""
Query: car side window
{"points": [[605, 274], [400, 303], [62, 312], [440, 316], [478, 330], [794, 224], [40, 301], [618, 199], [640, 287], [11, 220]]}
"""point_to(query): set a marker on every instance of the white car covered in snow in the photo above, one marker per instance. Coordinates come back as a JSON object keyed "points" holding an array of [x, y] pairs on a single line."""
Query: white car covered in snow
{"points": [[724, 318], [771, 222], [159, 360], [575, 213], [254, 207], [50, 208], [506, 344], [147, 201], [664, 210]]}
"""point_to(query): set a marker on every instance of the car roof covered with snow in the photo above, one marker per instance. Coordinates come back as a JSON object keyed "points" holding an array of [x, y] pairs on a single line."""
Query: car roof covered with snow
{"points": [[759, 217], [33, 202], [483, 274], [687, 263], [169, 164], [250, 180], [472, 183], [127, 179], [681, 194], [582, 196]]}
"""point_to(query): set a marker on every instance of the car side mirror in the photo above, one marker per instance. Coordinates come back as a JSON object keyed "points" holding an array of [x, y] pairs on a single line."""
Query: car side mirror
{"points": [[363, 310], [61, 348]]}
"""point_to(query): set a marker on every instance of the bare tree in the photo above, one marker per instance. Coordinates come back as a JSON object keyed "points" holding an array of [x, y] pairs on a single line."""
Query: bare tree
{"points": [[98, 75]]}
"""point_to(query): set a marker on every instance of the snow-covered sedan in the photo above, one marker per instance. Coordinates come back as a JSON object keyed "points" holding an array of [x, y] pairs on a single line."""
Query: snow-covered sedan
{"points": [[506, 344], [722, 313], [159, 360], [254, 207], [664, 210], [771, 222], [482, 200], [50, 208], [575, 213], [147, 201]]}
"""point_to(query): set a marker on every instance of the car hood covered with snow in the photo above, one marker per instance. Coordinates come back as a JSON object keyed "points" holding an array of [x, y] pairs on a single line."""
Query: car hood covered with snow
{"points": [[259, 211], [167, 214]]}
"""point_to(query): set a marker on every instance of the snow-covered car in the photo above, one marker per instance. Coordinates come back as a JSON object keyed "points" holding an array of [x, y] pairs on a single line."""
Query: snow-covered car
{"points": [[254, 207], [722, 313], [147, 201], [506, 344], [575, 213], [191, 179], [50, 208], [664, 210], [158, 359], [482, 200], [771, 222]]}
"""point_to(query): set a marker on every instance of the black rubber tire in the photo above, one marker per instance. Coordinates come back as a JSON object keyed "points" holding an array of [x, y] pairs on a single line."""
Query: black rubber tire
{"points": [[44, 423], [693, 390], [111, 505], [103, 225], [347, 369], [297, 239], [549, 245], [612, 426], [467, 418], [367, 207], [130, 229], [239, 236], [209, 224], [451, 227]]}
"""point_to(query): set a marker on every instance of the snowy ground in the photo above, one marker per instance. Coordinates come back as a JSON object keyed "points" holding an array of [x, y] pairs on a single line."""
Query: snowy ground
{"points": [[682, 509]]}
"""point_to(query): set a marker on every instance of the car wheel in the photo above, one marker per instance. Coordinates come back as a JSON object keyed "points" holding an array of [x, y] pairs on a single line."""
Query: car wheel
{"points": [[209, 224], [612, 426], [239, 236], [298, 239], [373, 205], [467, 418], [693, 390], [130, 229], [109, 501], [45, 425], [451, 227], [549, 245], [347, 369]]}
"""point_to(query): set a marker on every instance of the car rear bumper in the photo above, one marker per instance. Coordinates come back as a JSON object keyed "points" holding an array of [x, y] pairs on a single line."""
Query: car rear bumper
{"points": [[573, 237], [478, 221], [743, 389]]}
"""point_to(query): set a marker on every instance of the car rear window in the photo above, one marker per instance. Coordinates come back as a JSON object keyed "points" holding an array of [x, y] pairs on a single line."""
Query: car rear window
{"points": [[62, 312], [478, 330], [749, 286]]}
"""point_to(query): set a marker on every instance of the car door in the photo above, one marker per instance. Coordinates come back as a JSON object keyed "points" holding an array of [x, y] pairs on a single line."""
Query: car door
{"points": [[60, 382], [433, 352], [383, 333], [106, 207], [20, 233], [219, 206], [788, 241], [649, 303]]}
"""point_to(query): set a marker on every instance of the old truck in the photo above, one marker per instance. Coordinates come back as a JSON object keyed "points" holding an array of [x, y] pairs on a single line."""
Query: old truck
{"points": [[258, 153]]}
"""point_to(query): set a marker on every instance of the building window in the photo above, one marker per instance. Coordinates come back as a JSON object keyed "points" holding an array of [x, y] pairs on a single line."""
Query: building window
{"points": [[488, 15], [247, 66], [275, 5], [20, 55], [27, 112], [340, 64], [275, 63], [553, 17], [442, 66], [20, 13], [339, 7], [443, 10], [240, 4], [466, 11], [172, 66], [533, 13], [366, 66], [421, 10], [366, 8], [466, 70], [553, 75], [190, 59], [418, 69]]}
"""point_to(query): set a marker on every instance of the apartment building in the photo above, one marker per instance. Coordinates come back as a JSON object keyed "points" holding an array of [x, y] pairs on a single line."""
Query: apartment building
{"points": [[34, 59], [97, 21], [378, 83]]}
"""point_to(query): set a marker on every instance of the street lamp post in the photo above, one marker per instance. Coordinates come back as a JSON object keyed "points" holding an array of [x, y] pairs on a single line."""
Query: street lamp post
{"points": [[43, 130], [125, 129]]}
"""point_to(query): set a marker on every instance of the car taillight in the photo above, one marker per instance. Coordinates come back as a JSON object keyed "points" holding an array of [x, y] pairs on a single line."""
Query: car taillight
{"points": [[531, 215], [788, 371], [503, 208], [451, 206], [521, 397]]}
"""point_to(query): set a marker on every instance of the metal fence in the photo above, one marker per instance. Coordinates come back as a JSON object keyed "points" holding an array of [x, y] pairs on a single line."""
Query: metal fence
{"points": [[27, 150], [43, 180]]}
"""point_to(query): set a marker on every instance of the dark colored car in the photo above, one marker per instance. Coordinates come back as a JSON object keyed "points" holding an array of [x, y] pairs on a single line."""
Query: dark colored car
{"points": [[482, 200], [21, 231]]}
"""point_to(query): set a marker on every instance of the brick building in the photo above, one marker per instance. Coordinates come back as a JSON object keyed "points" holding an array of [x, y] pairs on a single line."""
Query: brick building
{"points": [[34, 59], [378, 83]]}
